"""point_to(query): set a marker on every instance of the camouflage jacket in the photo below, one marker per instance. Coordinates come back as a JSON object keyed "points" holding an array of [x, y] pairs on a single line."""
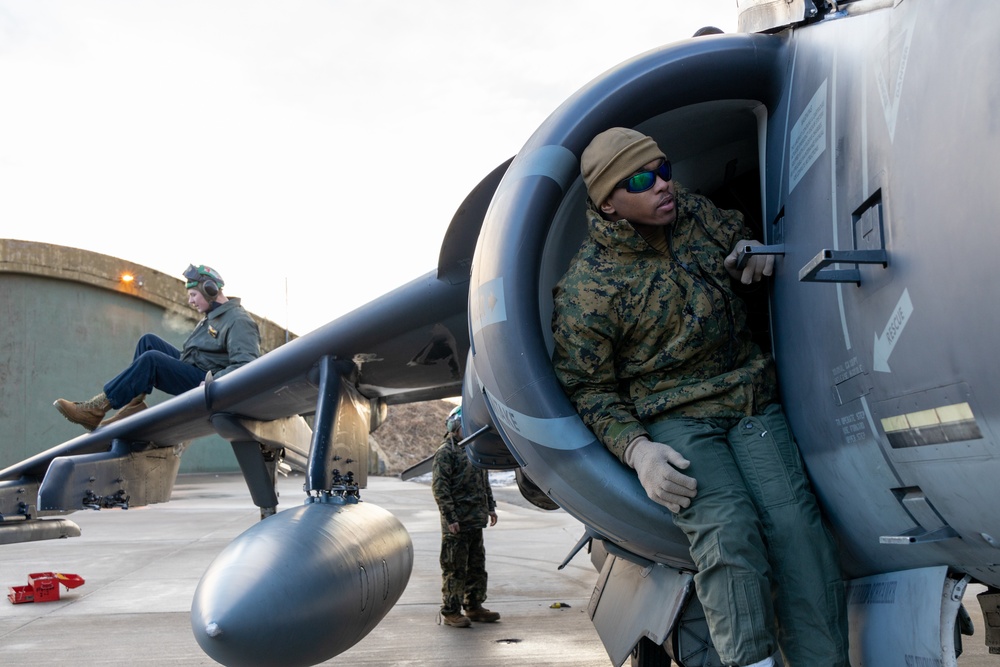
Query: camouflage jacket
{"points": [[461, 490], [643, 332], [225, 339]]}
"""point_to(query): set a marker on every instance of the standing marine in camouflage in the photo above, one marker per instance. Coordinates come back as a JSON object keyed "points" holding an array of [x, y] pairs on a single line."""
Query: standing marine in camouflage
{"points": [[465, 499], [653, 350]]}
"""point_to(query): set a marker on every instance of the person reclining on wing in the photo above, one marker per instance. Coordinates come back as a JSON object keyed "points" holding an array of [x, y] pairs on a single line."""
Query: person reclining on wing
{"points": [[225, 339]]}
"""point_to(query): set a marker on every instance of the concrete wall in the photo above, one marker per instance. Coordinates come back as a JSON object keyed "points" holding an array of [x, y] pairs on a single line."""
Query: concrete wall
{"points": [[68, 324]]}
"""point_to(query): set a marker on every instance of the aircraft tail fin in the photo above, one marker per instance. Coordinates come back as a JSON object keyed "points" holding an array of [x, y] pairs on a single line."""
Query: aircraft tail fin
{"points": [[463, 232]]}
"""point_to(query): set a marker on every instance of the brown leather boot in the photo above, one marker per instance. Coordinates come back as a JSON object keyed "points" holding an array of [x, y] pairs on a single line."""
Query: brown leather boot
{"points": [[87, 414], [455, 620], [135, 405], [481, 615]]}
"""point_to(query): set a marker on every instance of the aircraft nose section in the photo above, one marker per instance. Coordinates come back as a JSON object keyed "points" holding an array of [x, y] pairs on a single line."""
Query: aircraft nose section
{"points": [[302, 586]]}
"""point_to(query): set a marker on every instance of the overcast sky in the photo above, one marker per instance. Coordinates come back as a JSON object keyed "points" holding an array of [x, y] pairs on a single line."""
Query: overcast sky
{"points": [[312, 151]]}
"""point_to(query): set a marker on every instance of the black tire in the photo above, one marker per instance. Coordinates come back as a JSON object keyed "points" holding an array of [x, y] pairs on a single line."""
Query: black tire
{"points": [[648, 654]]}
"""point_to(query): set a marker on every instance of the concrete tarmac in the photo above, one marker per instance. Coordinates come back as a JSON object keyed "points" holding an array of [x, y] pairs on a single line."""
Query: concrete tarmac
{"points": [[141, 567]]}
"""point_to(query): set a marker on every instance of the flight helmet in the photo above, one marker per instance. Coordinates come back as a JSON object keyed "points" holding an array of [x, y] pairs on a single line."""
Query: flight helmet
{"points": [[454, 420], [205, 279]]}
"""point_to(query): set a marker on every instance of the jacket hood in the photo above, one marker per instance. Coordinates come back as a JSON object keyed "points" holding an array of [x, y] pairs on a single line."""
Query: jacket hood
{"points": [[617, 234]]}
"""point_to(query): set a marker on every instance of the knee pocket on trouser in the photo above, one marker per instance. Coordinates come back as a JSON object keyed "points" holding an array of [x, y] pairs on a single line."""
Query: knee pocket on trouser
{"points": [[818, 637], [769, 463], [737, 605], [837, 607]]}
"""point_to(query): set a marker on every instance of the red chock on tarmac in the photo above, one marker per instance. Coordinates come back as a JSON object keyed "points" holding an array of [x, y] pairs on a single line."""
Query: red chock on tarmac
{"points": [[43, 587]]}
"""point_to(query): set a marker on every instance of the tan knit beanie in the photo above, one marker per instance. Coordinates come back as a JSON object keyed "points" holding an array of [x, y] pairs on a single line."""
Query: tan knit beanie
{"points": [[613, 156]]}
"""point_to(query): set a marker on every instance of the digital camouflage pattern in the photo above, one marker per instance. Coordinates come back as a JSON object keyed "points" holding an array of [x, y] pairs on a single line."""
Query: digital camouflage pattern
{"points": [[461, 490], [652, 329], [463, 496], [463, 570]]}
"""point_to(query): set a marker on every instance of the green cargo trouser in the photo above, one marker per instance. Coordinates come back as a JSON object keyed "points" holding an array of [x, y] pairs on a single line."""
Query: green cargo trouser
{"points": [[463, 570], [768, 572]]}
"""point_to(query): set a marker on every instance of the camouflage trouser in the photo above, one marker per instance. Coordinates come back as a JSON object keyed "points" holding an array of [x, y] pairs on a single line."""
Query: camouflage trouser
{"points": [[768, 573], [463, 570]]}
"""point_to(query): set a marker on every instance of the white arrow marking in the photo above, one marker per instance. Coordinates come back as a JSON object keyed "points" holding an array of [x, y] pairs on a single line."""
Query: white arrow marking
{"points": [[884, 345]]}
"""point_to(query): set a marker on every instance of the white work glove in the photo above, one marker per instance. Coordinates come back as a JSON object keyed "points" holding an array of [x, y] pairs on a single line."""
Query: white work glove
{"points": [[756, 267], [657, 465]]}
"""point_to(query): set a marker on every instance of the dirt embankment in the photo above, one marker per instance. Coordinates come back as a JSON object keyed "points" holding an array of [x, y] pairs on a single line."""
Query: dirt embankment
{"points": [[411, 433]]}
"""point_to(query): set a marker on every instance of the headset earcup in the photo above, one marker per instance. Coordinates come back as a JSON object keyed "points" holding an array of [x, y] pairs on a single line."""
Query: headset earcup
{"points": [[210, 288]]}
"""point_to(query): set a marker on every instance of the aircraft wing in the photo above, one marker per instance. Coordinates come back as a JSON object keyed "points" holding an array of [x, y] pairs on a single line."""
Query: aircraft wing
{"points": [[409, 345]]}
